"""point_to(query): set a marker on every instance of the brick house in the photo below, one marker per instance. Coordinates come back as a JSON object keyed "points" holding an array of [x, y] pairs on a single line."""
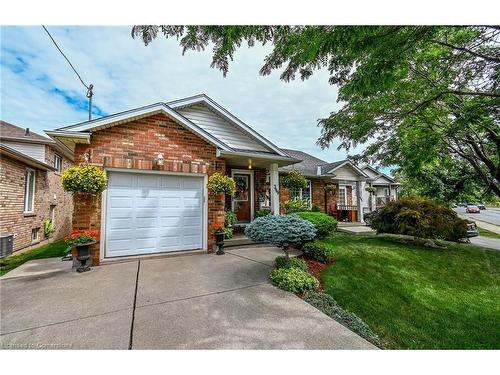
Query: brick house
{"points": [[158, 159], [30, 168]]}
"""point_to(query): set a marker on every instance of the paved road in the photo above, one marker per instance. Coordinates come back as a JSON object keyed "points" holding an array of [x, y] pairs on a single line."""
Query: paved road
{"points": [[490, 215], [190, 302], [490, 243]]}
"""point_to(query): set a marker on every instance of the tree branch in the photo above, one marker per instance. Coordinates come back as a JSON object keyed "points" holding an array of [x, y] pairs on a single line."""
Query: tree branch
{"points": [[473, 53]]}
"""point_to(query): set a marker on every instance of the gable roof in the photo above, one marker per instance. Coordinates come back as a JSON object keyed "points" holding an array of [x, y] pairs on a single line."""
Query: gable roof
{"points": [[16, 133], [378, 174], [308, 165], [235, 135], [311, 166], [22, 157], [250, 139], [134, 114]]}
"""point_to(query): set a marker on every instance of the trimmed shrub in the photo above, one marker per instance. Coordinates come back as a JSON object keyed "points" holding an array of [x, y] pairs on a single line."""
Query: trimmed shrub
{"points": [[262, 212], [315, 208], [328, 305], [296, 205], [324, 224], [419, 217], [293, 280], [84, 179], [281, 231], [318, 251], [280, 262]]}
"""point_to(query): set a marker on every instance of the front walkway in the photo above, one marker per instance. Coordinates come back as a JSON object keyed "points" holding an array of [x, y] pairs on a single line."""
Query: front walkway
{"points": [[188, 302]]}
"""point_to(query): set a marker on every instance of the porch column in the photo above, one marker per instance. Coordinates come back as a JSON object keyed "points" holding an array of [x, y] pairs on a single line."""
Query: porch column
{"points": [[275, 188], [359, 201]]}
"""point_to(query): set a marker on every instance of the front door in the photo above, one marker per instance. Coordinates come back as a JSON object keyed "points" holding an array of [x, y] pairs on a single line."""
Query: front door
{"points": [[242, 200]]}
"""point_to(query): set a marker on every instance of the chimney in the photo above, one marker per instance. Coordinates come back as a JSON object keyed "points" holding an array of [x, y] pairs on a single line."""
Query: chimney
{"points": [[27, 132]]}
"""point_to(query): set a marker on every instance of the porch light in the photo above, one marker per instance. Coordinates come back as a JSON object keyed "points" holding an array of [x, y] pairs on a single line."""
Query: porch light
{"points": [[249, 163], [159, 159]]}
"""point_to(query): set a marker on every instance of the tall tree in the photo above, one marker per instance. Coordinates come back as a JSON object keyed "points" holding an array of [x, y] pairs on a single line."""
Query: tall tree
{"points": [[416, 94]]}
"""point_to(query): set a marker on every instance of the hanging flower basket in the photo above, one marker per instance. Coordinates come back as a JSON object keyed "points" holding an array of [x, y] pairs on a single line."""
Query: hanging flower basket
{"points": [[371, 189], [219, 183], [330, 188], [86, 179]]}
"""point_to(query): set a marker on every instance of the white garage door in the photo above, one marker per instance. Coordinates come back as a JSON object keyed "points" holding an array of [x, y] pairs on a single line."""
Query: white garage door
{"points": [[151, 213]]}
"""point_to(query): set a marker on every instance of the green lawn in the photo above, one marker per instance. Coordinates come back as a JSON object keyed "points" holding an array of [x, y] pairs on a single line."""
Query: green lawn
{"points": [[55, 249], [415, 297], [488, 233]]}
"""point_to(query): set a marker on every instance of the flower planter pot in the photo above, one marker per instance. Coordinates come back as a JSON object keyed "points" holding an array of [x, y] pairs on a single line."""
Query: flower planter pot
{"points": [[219, 241], [83, 256]]}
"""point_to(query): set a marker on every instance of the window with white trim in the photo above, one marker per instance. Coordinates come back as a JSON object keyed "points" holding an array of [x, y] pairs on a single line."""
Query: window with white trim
{"points": [[305, 194], [29, 191], [342, 196], [57, 163]]}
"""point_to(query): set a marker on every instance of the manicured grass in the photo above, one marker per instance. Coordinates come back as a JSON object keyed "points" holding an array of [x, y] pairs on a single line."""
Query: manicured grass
{"points": [[488, 233], [416, 297], [55, 249]]}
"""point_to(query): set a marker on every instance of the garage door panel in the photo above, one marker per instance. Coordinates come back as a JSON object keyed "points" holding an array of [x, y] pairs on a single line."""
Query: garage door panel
{"points": [[147, 181], [118, 245], [121, 180], [171, 182], [170, 222], [121, 202], [193, 241], [146, 222], [153, 213], [190, 183], [120, 223], [171, 202]]}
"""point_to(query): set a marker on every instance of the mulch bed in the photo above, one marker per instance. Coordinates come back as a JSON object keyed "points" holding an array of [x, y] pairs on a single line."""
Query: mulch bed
{"points": [[315, 268]]}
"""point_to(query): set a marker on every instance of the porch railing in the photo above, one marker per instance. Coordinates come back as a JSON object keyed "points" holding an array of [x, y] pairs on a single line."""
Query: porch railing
{"points": [[346, 207]]}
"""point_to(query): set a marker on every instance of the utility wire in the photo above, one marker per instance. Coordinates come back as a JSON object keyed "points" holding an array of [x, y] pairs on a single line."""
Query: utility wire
{"points": [[89, 87], [62, 53]]}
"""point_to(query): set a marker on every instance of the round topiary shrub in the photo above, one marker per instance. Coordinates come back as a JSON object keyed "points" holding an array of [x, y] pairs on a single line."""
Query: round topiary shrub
{"points": [[293, 280], [281, 231], [84, 179], [419, 217], [281, 262], [324, 224]]}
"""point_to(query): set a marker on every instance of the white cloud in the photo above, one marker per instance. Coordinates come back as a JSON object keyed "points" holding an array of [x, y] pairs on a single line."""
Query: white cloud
{"points": [[127, 74]]}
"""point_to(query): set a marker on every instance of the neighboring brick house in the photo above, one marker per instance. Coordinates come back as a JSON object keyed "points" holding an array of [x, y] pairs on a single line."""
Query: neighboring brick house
{"points": [[30, 168], [158, 159]]}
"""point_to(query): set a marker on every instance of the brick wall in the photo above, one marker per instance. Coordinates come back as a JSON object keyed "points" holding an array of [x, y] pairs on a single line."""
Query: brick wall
{"points": [[135, 145], [48, 192]]}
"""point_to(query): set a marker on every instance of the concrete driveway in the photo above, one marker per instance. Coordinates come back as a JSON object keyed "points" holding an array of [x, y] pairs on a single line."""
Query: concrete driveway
{"points": [[188, 302]]}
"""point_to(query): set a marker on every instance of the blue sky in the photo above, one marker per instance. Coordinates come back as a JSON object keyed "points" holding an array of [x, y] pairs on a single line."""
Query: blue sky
{"points": [[40, 91]]}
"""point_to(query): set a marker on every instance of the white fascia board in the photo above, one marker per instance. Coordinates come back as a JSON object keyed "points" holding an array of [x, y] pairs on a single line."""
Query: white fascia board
{"points": [[54, 134], [352, 165], [227, 115], [148, 110], [259, 156]]}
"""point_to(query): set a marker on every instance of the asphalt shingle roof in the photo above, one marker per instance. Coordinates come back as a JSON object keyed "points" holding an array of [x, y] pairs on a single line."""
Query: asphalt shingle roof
{"points": [[8, 130]]}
